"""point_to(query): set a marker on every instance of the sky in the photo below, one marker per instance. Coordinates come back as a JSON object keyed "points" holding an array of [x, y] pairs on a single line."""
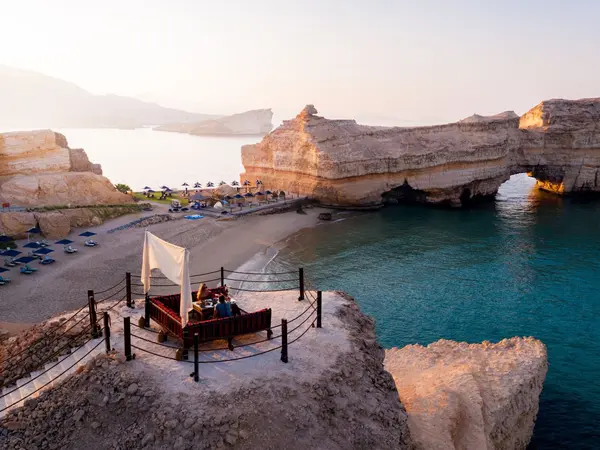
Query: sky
{"points": [[421, 62]]}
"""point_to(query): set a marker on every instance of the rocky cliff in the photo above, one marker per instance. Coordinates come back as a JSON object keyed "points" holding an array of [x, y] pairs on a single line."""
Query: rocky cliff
{"points": [[37, 168], [255, 122], [340, 162], [470, 396]]}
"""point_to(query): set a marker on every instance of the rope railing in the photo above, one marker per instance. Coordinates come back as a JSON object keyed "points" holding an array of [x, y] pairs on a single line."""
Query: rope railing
{"points": [[110, 288], [262, 273], [55, 338], [42, 337], [54, 355], [295, 280], [111, 295], [55, 378]]}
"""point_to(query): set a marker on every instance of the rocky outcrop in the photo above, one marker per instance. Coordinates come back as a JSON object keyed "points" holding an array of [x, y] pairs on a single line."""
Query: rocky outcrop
{"points": [[58, 224], [470, 396], [37, 168], [255, 122], [340, 162]]}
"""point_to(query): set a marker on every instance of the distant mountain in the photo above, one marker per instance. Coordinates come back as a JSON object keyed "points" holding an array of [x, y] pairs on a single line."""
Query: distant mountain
{"points": [[32, 100], [255, 122]]}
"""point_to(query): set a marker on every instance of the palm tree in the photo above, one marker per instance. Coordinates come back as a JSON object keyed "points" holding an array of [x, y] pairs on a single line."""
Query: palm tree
{"points": [[236, 185]]}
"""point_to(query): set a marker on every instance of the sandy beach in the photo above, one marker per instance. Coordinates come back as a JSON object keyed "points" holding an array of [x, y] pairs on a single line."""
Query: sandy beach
{"points": [[63, 286]]}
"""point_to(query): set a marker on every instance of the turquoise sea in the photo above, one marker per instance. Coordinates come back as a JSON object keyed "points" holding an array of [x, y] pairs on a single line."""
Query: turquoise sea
{"points": [[525, 265]]}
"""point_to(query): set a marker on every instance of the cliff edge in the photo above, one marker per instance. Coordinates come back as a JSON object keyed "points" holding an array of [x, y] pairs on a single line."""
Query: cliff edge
{"points": [[470, 396], [340, 162]]}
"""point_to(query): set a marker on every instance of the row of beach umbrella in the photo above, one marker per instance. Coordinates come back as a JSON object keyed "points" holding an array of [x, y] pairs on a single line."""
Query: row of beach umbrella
{"points": [[39, 249], [209, 184]]}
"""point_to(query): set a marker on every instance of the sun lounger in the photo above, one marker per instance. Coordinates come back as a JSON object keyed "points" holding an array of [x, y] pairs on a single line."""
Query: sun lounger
{"points": [[47, 261], [69, 249], [90, 243], [34, 255], [9, 263], [31, 269], [4, 280], [43, 243], [25, 271]]}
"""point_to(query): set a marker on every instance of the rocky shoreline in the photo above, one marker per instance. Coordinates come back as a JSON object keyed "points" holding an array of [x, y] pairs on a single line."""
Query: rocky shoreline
{"points": [[353, 403]]}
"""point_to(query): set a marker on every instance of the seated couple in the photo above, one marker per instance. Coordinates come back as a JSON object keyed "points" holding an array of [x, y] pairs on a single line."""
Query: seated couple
{"points": [[226, 309]]}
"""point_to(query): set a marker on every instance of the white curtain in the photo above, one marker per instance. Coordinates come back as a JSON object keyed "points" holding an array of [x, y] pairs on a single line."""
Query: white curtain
{"points": [[173, 262]]}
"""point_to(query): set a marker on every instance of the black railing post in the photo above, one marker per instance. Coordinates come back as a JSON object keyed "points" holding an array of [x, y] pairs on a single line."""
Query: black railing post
{"points": [[128, 288], [92, 310], [301, 277], [106, 332], [127, 336], [284, 341], [222, 276], [319, 308], [147, 311], [196, 375]]}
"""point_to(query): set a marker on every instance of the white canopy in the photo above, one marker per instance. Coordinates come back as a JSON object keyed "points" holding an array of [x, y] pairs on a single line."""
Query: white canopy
{"points": [[173, 262]]}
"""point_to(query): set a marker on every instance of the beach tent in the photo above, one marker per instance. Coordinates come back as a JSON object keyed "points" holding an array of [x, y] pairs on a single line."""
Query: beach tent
{"points": [[2, 269], [218, 205], [11, 253], [5, 238], [87, 234], [32, 245], [64, 242], [173, 262]]}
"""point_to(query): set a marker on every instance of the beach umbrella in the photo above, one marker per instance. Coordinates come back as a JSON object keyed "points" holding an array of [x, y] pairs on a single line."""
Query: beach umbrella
{"points": [[5, 238], [2, 269], [235, 183], [185, 184], [25, 259], [258, 193], [87, 234], [164, 187], [268, 192], [228, 197], [34, 230], [64, 242], [239, 196], [32, 245], [222, 183], [249, 194], [43, 251], [210, 184], [11, 253], [150, 191], [146, 188], [197, 185]]}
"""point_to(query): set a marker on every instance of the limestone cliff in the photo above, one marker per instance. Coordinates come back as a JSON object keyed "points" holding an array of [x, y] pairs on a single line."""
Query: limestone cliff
{"points": [[340, 162], [255, 122], [37, 168], [470, 396]]}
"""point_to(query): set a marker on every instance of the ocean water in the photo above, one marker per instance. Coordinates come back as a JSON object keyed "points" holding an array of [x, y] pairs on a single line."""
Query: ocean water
{"points": [[525, 265], [144, 157]]}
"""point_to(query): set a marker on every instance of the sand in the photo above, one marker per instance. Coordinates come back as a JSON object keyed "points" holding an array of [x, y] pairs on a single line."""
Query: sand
{"points": [[63, 285]]}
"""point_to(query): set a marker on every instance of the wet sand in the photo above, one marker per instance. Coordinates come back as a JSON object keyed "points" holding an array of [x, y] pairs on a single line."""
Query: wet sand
{"points": [[63, 285]]}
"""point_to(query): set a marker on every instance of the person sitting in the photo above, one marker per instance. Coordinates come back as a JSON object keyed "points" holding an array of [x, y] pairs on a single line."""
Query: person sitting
{"points": [[222, 309], [235, 309]]}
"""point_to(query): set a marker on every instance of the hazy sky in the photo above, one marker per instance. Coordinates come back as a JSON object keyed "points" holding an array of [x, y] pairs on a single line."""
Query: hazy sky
{"points": [[414, 60]]}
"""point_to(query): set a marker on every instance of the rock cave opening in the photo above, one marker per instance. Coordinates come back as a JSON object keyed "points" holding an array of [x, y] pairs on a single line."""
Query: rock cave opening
{"points": [[403, 194]]}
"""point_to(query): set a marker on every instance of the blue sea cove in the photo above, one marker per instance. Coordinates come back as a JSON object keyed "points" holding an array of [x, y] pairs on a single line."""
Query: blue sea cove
{"points": [[524, 265]]}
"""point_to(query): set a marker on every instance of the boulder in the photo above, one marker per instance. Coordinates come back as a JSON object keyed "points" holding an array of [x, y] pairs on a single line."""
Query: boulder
{"points": [[325, 216], [54, 225], [16, 224], [225, 190], [470, 396]]}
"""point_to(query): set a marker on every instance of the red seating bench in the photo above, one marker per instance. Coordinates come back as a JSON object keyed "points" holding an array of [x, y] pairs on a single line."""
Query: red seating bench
{"points": [[164, 310]]}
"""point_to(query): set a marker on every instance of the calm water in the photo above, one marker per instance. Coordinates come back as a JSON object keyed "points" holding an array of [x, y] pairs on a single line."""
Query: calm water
{"points": [[143, 157], [526, 265]]}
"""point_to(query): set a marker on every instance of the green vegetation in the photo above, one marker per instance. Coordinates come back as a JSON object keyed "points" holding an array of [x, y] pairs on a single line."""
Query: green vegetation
{"points": [[8, 244], [140, 196], [123, 188]]}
